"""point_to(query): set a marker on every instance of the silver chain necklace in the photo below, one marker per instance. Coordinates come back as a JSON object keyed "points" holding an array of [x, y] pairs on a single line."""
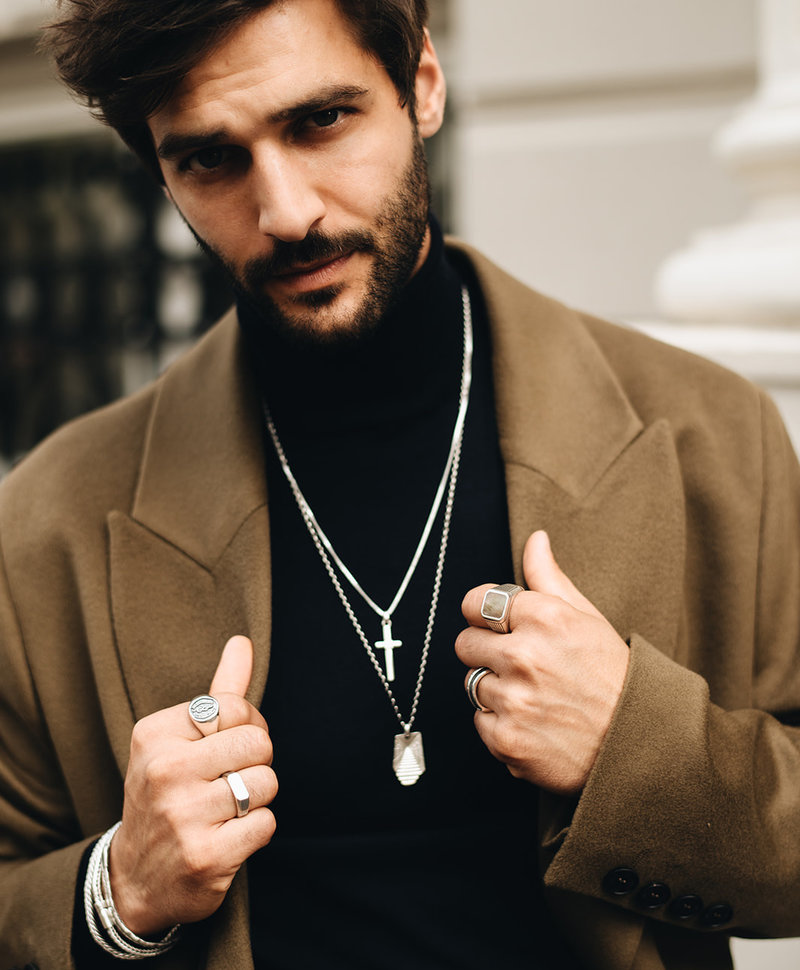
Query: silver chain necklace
{"points": [[409, 757]]}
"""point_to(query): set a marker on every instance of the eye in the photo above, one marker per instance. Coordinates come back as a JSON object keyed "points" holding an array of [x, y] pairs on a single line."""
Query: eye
{"points": [[326, 118], [207, 159]]}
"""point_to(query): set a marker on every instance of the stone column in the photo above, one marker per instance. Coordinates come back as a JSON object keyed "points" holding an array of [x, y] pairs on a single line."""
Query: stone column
{"points": [[749, 273]]}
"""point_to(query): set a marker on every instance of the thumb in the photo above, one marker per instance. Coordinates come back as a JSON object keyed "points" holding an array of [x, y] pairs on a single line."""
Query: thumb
{"points": [[234, 669], [543, 574]]}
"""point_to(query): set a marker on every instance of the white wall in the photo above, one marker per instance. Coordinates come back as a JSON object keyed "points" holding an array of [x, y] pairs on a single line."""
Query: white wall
{"points": [[583, 134]]}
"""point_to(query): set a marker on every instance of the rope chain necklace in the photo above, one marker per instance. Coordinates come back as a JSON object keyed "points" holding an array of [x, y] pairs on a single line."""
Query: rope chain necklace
{"points": [[408, 760]]}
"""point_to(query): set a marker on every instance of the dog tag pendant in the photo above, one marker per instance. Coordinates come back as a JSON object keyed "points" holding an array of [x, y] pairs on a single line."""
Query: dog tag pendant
{"points": [[409, 758]]}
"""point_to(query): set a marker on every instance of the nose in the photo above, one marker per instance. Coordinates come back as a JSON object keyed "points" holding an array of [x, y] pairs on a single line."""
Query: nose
{"points": [[287, 199]]}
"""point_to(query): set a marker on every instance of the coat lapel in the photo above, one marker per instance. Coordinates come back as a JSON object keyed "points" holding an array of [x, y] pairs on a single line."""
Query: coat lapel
{"points": [[189, 564], [582, 464]]}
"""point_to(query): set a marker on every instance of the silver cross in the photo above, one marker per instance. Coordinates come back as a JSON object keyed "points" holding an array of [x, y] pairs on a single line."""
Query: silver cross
{"points": [[388, 645]]}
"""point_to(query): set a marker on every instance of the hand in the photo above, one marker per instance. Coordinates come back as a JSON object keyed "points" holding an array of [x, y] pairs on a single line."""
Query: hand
{"points": [[557, 676], [180, 843]]}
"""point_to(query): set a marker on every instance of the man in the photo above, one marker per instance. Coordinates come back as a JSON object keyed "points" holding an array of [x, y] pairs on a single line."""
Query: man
{"points": [[626, 794]]}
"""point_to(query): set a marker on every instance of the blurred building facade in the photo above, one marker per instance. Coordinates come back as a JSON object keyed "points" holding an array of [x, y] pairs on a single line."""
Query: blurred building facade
{"points": [[578, 153], [101, 283], [641, 159]]}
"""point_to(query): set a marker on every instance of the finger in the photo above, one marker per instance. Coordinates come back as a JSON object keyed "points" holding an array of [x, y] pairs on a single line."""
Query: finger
{"points": [[543, 574], [261, 784], [485, 691], [238, 838], [234, 711], [472, 603], [476, 647], [231, 842], [232, 750], [234, 669], [472, 606]]}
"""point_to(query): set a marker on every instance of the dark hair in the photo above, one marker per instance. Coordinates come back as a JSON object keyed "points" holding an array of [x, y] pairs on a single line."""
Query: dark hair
{"points": [[125, 58]]}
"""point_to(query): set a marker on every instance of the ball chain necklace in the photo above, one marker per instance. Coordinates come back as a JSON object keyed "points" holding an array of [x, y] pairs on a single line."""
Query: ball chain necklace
{"points": [[408, 760]]}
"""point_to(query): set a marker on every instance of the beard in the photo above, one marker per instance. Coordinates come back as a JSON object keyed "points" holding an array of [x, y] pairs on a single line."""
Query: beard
{"points": [[394, 243]]}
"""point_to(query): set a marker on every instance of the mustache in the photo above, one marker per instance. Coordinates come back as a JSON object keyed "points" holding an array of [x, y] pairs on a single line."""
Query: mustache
{"points": [[315, 247]]}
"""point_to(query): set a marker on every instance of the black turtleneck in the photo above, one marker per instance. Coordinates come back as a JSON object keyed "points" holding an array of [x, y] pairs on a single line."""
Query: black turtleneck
{"points": [[363, 872]]}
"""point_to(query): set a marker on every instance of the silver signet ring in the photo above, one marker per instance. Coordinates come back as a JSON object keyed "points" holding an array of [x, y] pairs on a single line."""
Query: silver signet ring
{"points": [[204, 712], [240, 793], [496, 606], [475, 677]]}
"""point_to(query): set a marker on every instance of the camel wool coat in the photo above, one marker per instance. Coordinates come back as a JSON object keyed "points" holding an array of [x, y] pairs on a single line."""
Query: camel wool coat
{"points": [[135, 541]]}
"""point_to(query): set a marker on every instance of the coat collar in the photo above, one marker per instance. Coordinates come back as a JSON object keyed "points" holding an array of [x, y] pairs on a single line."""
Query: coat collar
{"points": [[189, 562], [202, 471], [580, 462], [560, 407], [560, 411]]}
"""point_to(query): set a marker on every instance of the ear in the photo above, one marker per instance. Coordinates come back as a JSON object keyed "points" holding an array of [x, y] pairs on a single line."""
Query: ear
{"points": [[431, 90]]}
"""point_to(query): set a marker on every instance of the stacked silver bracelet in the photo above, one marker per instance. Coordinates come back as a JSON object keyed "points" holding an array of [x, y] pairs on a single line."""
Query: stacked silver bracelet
{"points": [[115, 937]]}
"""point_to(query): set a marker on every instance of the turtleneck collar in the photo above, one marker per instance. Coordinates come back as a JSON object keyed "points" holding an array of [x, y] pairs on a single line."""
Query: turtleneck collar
{"points": [[403, 367]]}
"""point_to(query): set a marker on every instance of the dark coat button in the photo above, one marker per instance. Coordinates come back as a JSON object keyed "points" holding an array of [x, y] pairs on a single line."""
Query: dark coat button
{"points": [[685, 907], [652, 896], [717, 915], [620, 882]]}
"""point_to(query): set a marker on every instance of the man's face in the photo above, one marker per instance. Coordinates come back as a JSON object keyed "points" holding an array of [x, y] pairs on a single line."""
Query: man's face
{"points": [[289, 155]]}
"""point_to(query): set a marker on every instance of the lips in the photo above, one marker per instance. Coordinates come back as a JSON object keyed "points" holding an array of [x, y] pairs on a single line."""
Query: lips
{"points": [[306, 268], [310, 276]]}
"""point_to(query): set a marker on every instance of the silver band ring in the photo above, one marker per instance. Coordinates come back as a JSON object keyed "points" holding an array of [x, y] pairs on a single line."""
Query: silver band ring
{"points": [[240, 793], [204, 712], [496, 606], [474, 678]]}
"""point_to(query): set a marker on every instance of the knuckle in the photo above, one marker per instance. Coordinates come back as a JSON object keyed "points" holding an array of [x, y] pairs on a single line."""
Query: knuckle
{"points": [[504, 740], [462, 642], [161, 772], [517, 701], [141, 736], [258, 831], [195, 861], [246, 744], [261, 783], [467, 602], [550, 612], [266, 825], [237, 709], [269, 784], [514, 654], [258, 741]]}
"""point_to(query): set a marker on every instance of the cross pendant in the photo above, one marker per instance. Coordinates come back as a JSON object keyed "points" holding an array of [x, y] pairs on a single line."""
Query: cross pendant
{"points": [[388, 645]]}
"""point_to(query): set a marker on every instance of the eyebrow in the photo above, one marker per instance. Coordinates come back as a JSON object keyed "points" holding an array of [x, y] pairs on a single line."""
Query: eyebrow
{"points": [[173, 144]]}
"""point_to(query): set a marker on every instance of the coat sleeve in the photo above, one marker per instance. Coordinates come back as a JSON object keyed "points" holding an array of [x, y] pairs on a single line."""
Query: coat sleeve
{"points": [[40, 846], [691, 814], [42, 840]]}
